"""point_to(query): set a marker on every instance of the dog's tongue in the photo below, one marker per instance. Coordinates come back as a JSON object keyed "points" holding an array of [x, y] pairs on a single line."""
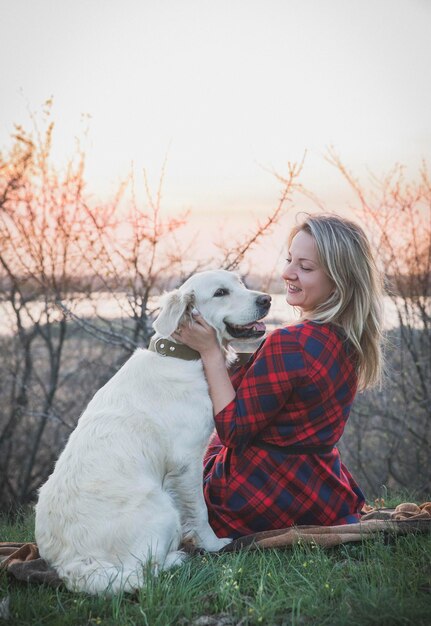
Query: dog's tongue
{"points": [[255, 326]]}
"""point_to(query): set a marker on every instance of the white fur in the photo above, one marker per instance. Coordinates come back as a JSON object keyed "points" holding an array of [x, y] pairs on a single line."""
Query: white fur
{"points": [[128, 486]]}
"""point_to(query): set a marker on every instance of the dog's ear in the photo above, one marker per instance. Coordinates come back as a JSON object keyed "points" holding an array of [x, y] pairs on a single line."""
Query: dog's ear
{"points": [[173, 310]]}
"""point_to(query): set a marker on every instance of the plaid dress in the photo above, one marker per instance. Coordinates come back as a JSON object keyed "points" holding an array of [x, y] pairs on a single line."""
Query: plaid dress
{"points": [[297, 388]]}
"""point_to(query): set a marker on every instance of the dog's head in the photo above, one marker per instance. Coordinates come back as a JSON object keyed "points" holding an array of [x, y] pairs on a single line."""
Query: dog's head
{"points": [[223, 301]]}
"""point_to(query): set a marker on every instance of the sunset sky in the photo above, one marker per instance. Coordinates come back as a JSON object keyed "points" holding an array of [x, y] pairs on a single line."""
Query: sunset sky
{"points": [[226, 89]]}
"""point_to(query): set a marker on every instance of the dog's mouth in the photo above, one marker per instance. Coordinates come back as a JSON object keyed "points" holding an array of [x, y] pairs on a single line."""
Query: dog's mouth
{"points": [[246, 331]]}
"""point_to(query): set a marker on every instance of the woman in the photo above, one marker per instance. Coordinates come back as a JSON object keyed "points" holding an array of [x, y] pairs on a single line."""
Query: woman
{"points": [[273, 463]]}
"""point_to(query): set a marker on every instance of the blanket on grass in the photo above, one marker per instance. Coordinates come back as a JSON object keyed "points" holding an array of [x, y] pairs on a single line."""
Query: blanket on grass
{"points": [[23, 562]]}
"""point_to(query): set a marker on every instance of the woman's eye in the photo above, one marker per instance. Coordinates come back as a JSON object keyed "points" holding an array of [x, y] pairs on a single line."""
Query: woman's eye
{"points": [[221, 292], [306, 269], [288, 260]]}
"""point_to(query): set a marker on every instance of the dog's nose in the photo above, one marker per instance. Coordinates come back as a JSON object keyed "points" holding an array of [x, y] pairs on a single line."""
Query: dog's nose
{"points": [[264, 300]]}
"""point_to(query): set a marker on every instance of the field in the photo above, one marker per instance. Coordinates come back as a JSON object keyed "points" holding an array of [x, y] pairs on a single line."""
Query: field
{"points": [[384, 581]]}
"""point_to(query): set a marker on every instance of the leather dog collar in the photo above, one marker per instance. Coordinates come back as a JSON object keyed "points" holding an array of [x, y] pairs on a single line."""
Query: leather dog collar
{"points": [[166, 347]]}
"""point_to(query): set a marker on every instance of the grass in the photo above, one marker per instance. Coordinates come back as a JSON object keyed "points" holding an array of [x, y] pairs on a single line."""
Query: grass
{"points": [[373, 582]]}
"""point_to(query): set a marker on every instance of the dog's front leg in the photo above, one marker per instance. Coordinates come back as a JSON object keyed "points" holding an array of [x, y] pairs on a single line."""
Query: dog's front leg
{"points": [[193, 510]]}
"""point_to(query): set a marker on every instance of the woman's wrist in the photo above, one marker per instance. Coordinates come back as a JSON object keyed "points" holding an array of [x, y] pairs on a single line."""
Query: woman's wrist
{"points": [[212, 354], [220, 386]]}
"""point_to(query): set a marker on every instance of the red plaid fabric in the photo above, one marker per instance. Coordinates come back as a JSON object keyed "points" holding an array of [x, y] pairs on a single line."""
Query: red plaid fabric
{"points": [[297, 388]]}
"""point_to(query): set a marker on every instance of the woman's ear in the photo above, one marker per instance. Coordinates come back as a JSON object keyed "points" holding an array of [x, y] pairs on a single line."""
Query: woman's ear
{"points": [[174, 306]]}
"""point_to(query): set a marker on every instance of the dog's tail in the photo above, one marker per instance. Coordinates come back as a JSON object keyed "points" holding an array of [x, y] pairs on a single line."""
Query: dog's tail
{"points": [[99, 577]]}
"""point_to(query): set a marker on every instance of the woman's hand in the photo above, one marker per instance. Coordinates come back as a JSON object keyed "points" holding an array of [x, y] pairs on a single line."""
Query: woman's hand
{"points": [[197, 335], [202, 337]]}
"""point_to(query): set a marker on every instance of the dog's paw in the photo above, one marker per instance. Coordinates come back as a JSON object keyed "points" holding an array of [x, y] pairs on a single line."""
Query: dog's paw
{"points": [[225, 541], [174, 559], [217, 544]]}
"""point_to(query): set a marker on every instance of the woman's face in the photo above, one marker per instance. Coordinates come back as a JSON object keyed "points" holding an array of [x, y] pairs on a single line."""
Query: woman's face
{"points": [[307, 283]]}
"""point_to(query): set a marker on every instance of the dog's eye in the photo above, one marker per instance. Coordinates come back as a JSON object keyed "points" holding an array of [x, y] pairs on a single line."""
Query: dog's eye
{"points": [[221, 292]]}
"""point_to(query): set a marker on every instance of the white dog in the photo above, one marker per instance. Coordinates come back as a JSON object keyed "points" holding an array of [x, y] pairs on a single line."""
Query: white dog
{"points": [[128, 486]]}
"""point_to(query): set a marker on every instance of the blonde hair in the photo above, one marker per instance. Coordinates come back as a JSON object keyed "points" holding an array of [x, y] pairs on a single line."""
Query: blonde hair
{"points": [[356, 303]]}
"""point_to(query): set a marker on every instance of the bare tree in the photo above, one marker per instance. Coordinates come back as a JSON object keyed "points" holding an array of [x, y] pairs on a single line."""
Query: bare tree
{"points": [[389, 439], [41, 223], [61, 257]]}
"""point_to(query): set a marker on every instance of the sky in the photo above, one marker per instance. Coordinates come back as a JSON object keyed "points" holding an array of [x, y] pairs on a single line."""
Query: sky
{"points": [[225, 90]]}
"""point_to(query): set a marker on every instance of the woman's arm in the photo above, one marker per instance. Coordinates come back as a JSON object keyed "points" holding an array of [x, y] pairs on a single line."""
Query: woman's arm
{"points": [[219, 384], [263, 390], [201, 337]]}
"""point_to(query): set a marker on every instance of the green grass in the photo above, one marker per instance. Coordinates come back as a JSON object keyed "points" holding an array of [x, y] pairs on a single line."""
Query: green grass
{"points": [[373, 582]]}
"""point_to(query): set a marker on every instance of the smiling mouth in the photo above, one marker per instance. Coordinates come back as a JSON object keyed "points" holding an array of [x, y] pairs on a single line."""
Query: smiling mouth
{"points": [[293, 288], [246, 331]]}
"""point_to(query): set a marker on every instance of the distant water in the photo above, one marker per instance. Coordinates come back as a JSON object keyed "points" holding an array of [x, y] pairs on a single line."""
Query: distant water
{"points": [[107, 306]]}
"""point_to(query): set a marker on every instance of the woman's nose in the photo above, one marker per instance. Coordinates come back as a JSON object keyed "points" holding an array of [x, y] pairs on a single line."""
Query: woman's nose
{"points": [[288, 272]]}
